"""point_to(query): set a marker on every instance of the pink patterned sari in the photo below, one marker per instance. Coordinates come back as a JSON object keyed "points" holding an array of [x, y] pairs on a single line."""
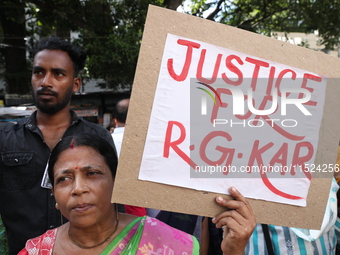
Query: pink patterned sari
{"points": [[143, 236]]}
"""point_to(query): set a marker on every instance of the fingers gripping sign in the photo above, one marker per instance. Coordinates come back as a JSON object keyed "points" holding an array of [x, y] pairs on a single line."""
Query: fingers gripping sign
{"points": [[238, 222]]}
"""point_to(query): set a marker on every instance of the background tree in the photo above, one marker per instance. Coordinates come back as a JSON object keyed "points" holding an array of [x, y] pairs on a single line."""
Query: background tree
{"points": [[324, 16], [267, 16], [113, 46], [13, 48], [111, 30]]}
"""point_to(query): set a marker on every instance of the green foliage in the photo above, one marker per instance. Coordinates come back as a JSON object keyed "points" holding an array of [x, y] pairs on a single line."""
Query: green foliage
{"points": [[113, 47], [252, 15], [267, 16], [111, 30], [324, 15]]}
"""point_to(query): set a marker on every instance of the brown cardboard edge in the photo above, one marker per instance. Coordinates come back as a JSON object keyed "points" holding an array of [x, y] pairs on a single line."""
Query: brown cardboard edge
{"points": [[129, 190]]}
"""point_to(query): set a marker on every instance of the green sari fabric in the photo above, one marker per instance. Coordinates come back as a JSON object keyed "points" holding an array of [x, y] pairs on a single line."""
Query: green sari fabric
{"points": [[3, 239], [143, 236], [147, 235]]}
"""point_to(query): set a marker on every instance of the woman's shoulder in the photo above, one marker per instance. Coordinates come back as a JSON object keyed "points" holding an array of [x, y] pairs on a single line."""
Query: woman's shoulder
{"points": [[157, 230], [159, 226], [43, 242]]}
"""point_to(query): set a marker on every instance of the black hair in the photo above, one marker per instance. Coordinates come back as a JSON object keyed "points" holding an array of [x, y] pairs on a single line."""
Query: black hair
{"points": [[110, 126], [77, 55], [93, 141]]}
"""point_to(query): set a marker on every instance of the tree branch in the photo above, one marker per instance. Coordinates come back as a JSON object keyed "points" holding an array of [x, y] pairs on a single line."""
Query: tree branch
{"points": [[212, 15]]}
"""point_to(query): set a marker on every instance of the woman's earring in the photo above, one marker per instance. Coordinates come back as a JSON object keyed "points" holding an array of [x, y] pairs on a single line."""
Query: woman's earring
{"points": [[56, 206]]}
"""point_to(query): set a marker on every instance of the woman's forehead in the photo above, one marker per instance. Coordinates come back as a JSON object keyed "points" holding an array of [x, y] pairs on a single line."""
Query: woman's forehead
{"points": [[79, 155]]}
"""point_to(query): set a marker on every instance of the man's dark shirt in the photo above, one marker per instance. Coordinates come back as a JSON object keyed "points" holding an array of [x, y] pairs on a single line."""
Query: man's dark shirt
{"points": [[27, 209]]}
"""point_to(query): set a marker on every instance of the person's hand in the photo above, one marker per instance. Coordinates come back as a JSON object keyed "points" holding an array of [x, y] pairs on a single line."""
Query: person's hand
{"points": [[238, 222]]}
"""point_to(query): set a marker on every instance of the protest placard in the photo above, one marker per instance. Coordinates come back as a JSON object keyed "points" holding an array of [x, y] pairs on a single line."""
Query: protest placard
{"points": [[214, 106]]}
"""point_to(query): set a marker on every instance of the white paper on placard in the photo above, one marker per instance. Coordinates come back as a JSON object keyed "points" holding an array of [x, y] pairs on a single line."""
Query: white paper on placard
{"points": [[222, 118]]}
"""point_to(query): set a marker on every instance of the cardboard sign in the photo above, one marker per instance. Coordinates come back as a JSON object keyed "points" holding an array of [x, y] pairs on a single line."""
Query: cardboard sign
{"points": [[216, 143], [212, 107]]}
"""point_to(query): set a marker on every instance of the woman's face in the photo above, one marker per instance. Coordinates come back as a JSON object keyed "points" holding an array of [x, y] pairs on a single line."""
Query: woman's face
{"points": [[83, 186]]}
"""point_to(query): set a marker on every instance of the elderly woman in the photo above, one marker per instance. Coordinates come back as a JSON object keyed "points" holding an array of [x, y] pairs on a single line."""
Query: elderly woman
{"points": [[82, 171]]}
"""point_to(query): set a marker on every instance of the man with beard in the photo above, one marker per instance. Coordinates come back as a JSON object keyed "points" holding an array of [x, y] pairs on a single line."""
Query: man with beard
{"points": [[27, 206]]}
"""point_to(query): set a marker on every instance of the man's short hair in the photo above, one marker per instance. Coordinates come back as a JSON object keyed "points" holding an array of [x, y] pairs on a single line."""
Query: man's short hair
{"points": [[122, 110], [77, 55]]}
